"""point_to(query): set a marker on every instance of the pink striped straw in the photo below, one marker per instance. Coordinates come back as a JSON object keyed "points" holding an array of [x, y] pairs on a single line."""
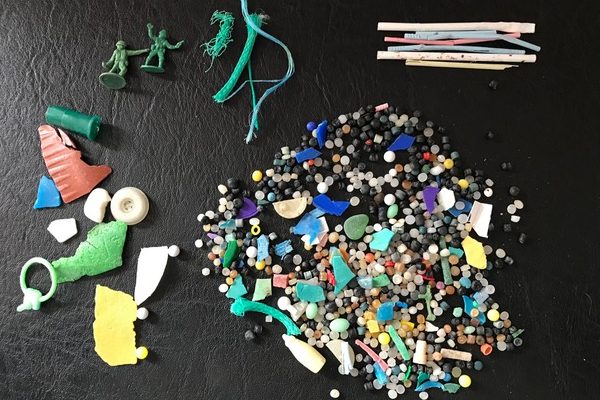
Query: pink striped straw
{"points": [[447, 42], [381, 107], [373, 355]]}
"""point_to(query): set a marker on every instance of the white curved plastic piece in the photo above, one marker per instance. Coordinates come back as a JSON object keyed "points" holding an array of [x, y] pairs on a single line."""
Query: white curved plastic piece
{"points": [[95, 205], [150, 269], [304, 353], [63, 229], [292, 208], [343, 352], [129, 205]]}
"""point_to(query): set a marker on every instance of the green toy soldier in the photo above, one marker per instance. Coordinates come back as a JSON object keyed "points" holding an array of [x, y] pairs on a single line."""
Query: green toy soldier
{"points": [[161, 44], [118, 61]]}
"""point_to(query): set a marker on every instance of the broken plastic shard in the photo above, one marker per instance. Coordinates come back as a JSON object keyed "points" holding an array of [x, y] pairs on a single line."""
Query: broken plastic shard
{"points": [[263, 247], [474, 252], [114, 334], [63, 229], [100, 252], [150, 269], [48, 195], [283, 248], [365, 282], [227, 224], [451, 387], [237, 288], [381, 240], [429, 385], [446, 199], [354, 227], [231, 253], [322, 134], [73, 177], [402, 349], [325, 204], [262, 289], [241, 305], [456, 251], [381, 281], [95, 205], [342, 273], [380, 374], [385, 312], [343, 353], [469, 305], [429, 194], [480, 217], [466, 207], [402, 142], [291, 208], [280, 280], [247, 210], [297, 310], [307, 154], [310, 224], [310, 293]]}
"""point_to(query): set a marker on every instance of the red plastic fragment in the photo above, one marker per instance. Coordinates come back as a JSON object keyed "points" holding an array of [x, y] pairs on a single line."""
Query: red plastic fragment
{"points": [[73, 177]]}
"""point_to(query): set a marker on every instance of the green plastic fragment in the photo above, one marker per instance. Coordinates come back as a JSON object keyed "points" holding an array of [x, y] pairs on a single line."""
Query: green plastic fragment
{"points": [[354, 227], [381, 280], [75, 121], [392, 211], [342, 273], [451, 387], [408, 371], [427, 298], [100, 252], [445, 265], [241, 306], [399, 344], [237, 288], [310, 293], [262, 289], [422, 377], [231, 253], [381, 240], [518, 333]]}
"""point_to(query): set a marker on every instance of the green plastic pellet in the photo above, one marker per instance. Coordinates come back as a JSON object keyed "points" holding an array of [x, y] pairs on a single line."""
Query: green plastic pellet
{"points": [[392, 211], [381, 280], [100, 252], [399, 343], [84, 124], [457, 312], [241, 305], [231, 253]]}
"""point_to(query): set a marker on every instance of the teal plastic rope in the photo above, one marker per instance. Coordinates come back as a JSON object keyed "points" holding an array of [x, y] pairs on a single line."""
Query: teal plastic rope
{"points": [[224, 93], [241, 305], [217, 45]]}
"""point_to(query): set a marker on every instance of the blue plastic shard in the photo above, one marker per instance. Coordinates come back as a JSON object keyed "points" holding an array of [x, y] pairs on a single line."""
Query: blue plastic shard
{"points": [[48, 195], [480, 296], [228, 224], [310, 293], [325, 204], [429, 194], [263, 247], [402, 142], [380, 374], [381, 240], [365, 282], [237, 289], [401, 304], [307, 154], [429, 385], [385, 312], [456, 251], [309, 224], [468, 306], [283, 248], [455, 212], [342, 273], [322, 134]]}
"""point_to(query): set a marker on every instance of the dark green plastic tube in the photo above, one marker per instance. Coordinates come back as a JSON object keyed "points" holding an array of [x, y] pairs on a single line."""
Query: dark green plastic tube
{"points": [[83, 124]]}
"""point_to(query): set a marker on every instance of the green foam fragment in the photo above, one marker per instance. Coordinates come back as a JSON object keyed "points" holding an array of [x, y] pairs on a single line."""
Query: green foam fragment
{"points": [[381, 240], [231, 253], [237, 288], [342, 273], [381, 280], [310, 293], [100, 253]]}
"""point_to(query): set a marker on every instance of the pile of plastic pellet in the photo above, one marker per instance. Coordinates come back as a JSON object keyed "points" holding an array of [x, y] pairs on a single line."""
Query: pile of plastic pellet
{"points": [[399, 289]]}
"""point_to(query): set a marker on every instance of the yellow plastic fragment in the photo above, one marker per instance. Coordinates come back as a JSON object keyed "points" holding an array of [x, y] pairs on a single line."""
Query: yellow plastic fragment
{"points": [[407, 325], [114, 332], [474, 252], [373, 326], [291, 208]]}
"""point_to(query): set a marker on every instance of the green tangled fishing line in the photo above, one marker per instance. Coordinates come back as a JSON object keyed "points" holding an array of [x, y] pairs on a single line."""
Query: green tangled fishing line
{"points": [[217, 45]]}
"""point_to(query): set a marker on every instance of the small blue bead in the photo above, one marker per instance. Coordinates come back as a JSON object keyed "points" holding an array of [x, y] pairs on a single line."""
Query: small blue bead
{"points": [[271, 196], [311, 126]]}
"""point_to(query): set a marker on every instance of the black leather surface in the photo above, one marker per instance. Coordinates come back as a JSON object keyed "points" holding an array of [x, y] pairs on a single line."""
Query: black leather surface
{"points": [[165, 135]]}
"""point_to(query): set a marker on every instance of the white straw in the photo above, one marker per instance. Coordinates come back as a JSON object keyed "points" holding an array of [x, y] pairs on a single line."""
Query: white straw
{"points": [[433, 56], [521, 27], [461, 65]]}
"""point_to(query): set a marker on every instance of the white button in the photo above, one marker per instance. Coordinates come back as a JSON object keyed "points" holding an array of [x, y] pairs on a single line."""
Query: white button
{"points": [[129, 205]]}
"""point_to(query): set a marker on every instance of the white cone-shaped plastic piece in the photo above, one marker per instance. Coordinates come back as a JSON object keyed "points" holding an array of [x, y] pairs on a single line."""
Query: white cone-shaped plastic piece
{"points": [[420, 356], [95, 204], [63, 229], [304, 353], [150, 269]]}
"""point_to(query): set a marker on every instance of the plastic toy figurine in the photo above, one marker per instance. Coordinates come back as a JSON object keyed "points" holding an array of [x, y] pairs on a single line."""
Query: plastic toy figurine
{"points": [[118, 61], [161, 44]]}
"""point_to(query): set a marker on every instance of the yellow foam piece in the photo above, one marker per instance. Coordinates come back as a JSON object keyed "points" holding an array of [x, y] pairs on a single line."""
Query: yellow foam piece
{"points": [[474, 252], [114, 332], [373, 326]]}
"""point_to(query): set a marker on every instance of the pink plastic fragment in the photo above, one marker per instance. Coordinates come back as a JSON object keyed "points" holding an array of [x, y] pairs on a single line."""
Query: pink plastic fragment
{"points": [[372, 354], [280, 280], [381, 107]]}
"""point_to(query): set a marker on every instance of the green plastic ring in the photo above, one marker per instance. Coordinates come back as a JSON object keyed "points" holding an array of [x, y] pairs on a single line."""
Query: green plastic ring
{"points": [[51, 270]]}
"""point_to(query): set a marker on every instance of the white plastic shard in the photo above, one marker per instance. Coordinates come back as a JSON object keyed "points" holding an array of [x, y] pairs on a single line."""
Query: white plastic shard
{"points": [[292, 208], [150, 269], [480, 217], [343, 353], [446, 199], [63, 229], [95, 204], [429, 327], [297, 310]]}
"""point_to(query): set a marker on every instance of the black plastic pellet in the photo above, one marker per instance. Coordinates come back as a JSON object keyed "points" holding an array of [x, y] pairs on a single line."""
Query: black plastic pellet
{"points": [[249, 335], [493, 84], [257, 329], [522, 238], [489, 135], [514, 191]]}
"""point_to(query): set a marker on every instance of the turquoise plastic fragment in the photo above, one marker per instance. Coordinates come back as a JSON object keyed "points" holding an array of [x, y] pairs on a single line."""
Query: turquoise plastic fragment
{"points": [[310, 293], [241, 306], [385, 312], [380, 374], [263, 247], [307, 154], [451, 387], [402, 142], [48, 195], [322, 134], [457, 252], [342, 273], [469, 304], [402, 349], [429, 385], [237, 288], [381, 240], [228, 224], [422, 377], [283, 248], [325, 204], [365, 282], [381, 280]]}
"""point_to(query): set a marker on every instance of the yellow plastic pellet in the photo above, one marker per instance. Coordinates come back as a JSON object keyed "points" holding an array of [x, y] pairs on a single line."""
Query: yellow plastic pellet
{"points": [[260, 265], [257, 176], [141, 352], [383, 338], [464, 381], [463, 184], [448, 163], [493, 315]]}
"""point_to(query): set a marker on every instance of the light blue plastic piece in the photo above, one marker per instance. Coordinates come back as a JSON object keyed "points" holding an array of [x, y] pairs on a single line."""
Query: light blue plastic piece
{"points": [[283, 248], [429, 385], [310, 293], [520, 42], [263, 247], [380, 374], [309, 224], [456, 251], [325, 204], [48, 195], [480, 296], [342, 273], [365, 282], [465, 282], [307, 154], [402, 142], [237, 289], [322, 134], [229, 224], [468, 306], [385, 312], [381, 240], [465, 49]]}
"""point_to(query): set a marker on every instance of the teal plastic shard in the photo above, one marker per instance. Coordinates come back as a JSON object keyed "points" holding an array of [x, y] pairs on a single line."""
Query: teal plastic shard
{"points": [[381, 240], [365, 282], [469, 305], [241, 306], [231, 253], [342, 273], [354, 227], [100, 253], [451, 387], [237, 288], [456, 251], [262, 289], [402, 349], [381, 280], [422, 377], [310, 293], [84, 124], [445, 265]]}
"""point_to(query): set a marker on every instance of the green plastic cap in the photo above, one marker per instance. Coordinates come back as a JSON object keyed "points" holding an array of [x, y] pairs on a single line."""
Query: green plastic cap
{"points": [[75, 121]]}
